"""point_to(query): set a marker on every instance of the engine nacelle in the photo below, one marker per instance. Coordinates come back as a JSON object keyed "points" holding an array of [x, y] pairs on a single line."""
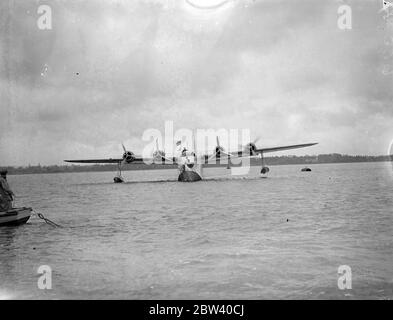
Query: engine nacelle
{"points": [[218, 151], [250, 149], [159, 155], [128, 157]]}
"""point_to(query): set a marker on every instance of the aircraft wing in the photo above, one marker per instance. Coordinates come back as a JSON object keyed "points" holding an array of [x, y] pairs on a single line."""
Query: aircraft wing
{"points": [[272, 149], [137, 160], [295, 146], [209, 159]]}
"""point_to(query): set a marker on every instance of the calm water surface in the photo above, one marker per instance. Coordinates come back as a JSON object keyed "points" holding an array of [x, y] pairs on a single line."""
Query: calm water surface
{"points": [[155, 238]]}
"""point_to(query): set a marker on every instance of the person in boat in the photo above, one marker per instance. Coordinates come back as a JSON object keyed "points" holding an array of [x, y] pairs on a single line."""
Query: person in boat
{"points": [[6, 194]]}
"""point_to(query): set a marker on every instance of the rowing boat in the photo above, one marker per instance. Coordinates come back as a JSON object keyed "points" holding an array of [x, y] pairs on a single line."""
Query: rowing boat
{"points": [[15, 216]]}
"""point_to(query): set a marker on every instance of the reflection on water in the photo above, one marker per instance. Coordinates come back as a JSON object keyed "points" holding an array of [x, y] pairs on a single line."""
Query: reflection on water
{"points": [[281, 237], [390, 154], [7, 235]]}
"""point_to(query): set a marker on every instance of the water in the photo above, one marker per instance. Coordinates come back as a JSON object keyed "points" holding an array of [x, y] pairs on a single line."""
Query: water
{"points": [[219, 238]]}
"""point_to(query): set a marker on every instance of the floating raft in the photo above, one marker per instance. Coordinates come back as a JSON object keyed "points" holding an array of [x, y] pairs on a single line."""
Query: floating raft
{"points": [[15, 216]]}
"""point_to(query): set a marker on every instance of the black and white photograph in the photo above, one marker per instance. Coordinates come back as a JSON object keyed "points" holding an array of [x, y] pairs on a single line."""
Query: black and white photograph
{"points": [[196, 150]]}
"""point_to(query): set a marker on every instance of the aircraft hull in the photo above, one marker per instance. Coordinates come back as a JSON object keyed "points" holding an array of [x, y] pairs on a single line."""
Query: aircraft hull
{"points": [[189, 176]]}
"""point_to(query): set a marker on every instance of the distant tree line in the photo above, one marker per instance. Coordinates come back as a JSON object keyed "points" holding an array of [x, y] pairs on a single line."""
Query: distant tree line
{"points": [[275, 160]]}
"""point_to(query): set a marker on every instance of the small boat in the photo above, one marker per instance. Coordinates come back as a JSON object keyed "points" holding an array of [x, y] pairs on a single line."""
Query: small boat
{"points": [[306, 169], [15, 216]]}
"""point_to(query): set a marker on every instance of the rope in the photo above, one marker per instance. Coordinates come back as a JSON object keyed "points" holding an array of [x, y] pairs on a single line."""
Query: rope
{"points": [[51, 223]]}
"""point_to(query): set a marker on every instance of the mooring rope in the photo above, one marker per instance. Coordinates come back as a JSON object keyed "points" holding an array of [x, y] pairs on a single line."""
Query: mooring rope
{"points": [[51, 223]]}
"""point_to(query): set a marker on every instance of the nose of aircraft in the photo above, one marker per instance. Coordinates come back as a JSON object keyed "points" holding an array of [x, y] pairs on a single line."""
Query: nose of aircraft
{"points": [[189, 161]]}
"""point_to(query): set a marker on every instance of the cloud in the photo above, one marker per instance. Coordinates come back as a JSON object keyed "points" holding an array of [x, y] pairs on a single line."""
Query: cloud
{"points": [[108, 70]]}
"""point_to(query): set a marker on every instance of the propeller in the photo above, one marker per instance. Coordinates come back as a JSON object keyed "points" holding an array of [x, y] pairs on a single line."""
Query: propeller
{"points": [[128, 156], [218, 147], [252, 142], [158, 154], [124, 158], [257, 139], [217, 151], [193, 142], [155, 151], [251, 146]]}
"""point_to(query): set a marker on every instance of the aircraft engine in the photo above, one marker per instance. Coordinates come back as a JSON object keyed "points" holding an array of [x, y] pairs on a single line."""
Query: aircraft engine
{"points": [[128, 157], [159, 155], [218, 151], [250, 149]]}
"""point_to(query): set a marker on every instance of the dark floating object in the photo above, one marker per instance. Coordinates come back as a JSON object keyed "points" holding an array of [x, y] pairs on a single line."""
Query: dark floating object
{"points": [[118, 180], [189, 176], [265, 170], [306, 169]]}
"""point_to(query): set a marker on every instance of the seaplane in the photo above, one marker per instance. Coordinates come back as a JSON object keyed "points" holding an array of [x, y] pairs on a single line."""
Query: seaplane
{"points": [[190, 165]]}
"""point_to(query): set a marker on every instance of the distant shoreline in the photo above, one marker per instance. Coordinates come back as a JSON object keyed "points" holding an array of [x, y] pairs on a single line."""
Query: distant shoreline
{"points": [[270, 161]]}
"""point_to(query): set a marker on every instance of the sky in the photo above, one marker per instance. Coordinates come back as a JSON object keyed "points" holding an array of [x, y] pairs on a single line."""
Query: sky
{"points": [[108, 71]]}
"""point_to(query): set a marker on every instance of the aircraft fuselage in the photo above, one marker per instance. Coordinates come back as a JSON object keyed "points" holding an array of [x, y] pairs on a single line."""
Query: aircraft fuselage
{"points": [[189, 169]]}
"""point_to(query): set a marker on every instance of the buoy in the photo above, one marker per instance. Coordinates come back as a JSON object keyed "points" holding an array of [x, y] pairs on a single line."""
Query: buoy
{"points": [[118, 180], [265, 170]]}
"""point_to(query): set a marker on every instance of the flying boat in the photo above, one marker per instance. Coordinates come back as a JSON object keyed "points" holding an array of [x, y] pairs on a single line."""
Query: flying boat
{"points": [[190, 165]]}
